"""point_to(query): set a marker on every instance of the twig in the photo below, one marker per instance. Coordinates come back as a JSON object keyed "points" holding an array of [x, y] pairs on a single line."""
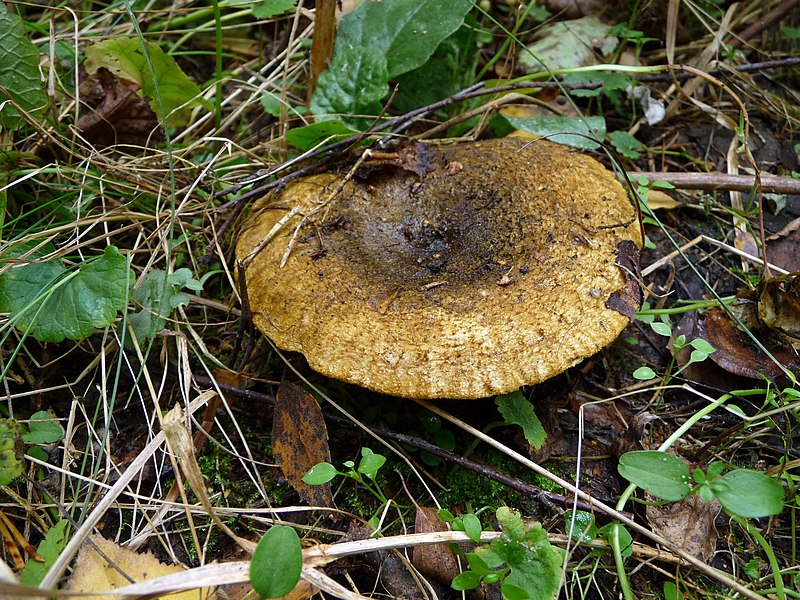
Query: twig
{"points": [[721, 181]]}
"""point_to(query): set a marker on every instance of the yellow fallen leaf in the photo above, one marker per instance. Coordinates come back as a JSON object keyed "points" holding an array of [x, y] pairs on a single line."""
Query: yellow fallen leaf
{"points": [[657, 199], [93, 573]]}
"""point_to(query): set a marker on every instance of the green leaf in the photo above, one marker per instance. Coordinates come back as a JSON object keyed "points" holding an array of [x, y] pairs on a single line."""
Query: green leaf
{"points": [[49, 548], [277, 562], [370, 463], [644, 373], [450, 68], [661, 328], [52, 303], [126, 59], [748, 494], [584, 528], [160, 294], [466, 581], [664, 475], [564, 130], [535, 570], [318, 134], [567, 44], [671, 591], [472, 527], [625, 539], [512, 524], [612, 83], [627, 145], [406, 32], [20, 80], [42, 429], [703, 346], [477, 564], [320, 473], [270, 8], [11, 465], [517, 410], [353, 86]]}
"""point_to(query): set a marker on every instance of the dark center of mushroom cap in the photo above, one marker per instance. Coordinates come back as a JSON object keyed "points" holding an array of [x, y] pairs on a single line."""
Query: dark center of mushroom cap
{"points": [[473, 222]]}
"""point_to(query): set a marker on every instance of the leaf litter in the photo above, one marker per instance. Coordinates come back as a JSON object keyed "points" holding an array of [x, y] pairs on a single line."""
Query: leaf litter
{"points": [[115, 185]]}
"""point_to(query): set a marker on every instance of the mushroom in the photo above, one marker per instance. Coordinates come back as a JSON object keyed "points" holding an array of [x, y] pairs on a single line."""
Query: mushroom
{"points": [[465, 271]]}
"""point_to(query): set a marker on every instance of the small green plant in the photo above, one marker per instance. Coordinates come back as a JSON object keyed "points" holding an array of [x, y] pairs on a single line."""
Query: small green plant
{"points": [[41, 428], [701, 349], [522, 560], [742, 492], [364, 475]]}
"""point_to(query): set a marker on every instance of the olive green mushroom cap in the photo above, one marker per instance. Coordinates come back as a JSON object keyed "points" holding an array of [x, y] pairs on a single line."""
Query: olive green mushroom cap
{"points": [[488, 269]]}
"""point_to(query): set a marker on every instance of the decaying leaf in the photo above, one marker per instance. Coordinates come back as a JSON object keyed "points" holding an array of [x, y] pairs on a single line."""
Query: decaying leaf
{"points": [[117, 115], [779, 304], [628, 298], [437, 561], [94, 573], [689, 523], [300, 441], [736, 352]]}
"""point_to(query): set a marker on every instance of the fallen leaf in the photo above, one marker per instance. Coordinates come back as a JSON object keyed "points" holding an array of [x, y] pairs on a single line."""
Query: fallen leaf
{"points": [[94, 574], [117, 115], [300, 441], [437, 561], [688, 523], [779, 304], [628, 298], [657, 199]]}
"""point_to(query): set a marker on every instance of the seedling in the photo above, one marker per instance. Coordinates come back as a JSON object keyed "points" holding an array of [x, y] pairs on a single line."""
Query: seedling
{"points": [[365, 475], [522, 560]]}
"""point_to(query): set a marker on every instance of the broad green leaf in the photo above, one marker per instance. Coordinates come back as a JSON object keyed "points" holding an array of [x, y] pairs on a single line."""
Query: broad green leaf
{"points": [[42, 429], [160, 294], [466, 581], [472, 527], [477, 564], [20, 80], [370, 463], [269, 8], [320, 473], [512, 524], [450, 68], [671, 591], [49, 548], [664, 475], [517, 410], [52, 303], [277, 562], [406, 32], [353, 86], [318, 134], [11, 465], [703, 346], [748, 494], [126, 59], [572, 131], [535, 568], [568, 44]]}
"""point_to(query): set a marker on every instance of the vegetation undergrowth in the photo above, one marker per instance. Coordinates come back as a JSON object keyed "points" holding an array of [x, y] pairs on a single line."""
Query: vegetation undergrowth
{"points": [[134, 140]]}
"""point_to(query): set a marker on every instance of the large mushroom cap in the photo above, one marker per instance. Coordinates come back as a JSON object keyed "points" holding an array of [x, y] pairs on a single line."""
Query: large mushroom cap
{"points": [[488, 272]]}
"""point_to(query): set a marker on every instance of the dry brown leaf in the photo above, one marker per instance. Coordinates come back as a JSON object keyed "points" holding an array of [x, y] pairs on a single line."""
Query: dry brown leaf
{"points": [[117, 114], [437, 561], [688, 523], [93, 573], [300, 441]]}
